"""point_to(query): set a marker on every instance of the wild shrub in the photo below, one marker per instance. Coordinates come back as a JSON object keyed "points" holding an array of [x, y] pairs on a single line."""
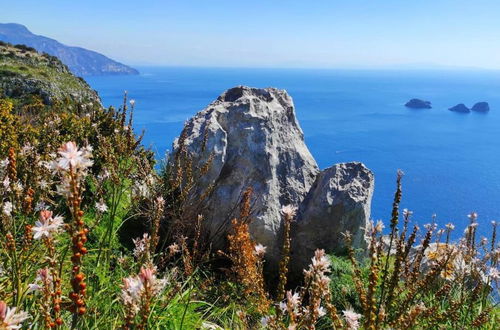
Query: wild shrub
{"points": [[424, 285]]}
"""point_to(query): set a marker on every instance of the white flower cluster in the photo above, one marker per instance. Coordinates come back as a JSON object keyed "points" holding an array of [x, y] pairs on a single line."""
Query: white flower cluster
{"points": [[135, 288], [10, 318], [47, 225], [289, 210], [71, 159], [43, 279], [7, 208], [259, 250], [141, 248], [351, 318]]}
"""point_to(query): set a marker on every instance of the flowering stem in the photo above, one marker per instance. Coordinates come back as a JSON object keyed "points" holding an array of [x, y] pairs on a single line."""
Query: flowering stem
{"points": [[78, 233], [394, 223]]}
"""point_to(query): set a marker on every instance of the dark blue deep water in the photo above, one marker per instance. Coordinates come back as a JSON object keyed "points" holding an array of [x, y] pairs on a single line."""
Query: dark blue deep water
{"points": [[451, 160]]}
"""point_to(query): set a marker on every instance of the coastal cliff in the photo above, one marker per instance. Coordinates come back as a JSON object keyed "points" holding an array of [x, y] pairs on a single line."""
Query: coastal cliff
{"points": [[81, 61], [24, 72]]}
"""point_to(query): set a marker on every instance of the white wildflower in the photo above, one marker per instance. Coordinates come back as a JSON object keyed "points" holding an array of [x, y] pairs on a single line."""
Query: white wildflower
{"points": [[64, 187], [45, 164], [379, 226], [260, 250], [150, 281], [26, 149], [34, 287], [292, 303], [430, 226], [47, 225], [472, 216], [101, 206], [494, 273], [321, 311], [320, 261], [293, 299], [104, 175], [40, 206], [407, 213], [4, 163], [131, 292], [18, 186], [289, 210], [6, 183], [10, 318], [450, 226], [141, 189], [72, 157], [351, 318], [173, 248], [141, 246], [7, 208], [43, 278], [43, 184], [264, 321]]}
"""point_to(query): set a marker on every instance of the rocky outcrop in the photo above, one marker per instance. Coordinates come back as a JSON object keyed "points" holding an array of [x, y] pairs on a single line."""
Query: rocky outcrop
{"points": [[338, 201], [15, 87], [418, 104], [254, 140], [460, 108], [481, 107]]}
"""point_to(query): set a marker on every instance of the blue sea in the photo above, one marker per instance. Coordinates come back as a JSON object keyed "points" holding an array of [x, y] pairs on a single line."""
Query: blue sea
{"points": [[451, 160]]}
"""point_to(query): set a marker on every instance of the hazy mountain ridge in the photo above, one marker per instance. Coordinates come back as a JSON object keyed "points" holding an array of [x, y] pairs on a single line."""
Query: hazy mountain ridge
{"points": [[81, 61]]}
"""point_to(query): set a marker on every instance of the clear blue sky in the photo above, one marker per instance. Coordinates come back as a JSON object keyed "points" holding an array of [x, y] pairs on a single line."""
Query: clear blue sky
{"points": [[272, 33]]}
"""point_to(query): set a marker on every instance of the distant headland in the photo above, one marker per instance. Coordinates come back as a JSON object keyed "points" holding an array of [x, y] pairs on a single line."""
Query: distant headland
{"points": [[81, 61]]}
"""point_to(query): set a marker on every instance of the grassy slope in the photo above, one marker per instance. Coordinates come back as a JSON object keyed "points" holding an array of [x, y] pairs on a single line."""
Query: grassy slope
{"points": [[19, 63]]}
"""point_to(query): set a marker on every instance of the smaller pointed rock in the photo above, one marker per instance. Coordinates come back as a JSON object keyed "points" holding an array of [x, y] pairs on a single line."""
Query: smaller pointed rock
{"points": [[460, 108]]}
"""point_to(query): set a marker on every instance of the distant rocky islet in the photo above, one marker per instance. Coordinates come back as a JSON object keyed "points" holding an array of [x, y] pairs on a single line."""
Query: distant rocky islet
{"points": [[461, 108], [481, 107], [418, 104]]}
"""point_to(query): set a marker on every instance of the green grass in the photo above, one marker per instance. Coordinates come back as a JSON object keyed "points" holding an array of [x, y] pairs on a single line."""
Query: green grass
{"points": [[48, 71]]}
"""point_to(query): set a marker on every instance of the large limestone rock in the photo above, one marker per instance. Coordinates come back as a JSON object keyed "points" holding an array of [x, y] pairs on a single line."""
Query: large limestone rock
{"points": [[255, 141]]}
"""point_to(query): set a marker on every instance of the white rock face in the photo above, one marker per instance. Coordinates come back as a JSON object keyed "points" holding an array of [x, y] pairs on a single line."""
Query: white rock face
{"points": [[255, 141], [339, 201]]}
